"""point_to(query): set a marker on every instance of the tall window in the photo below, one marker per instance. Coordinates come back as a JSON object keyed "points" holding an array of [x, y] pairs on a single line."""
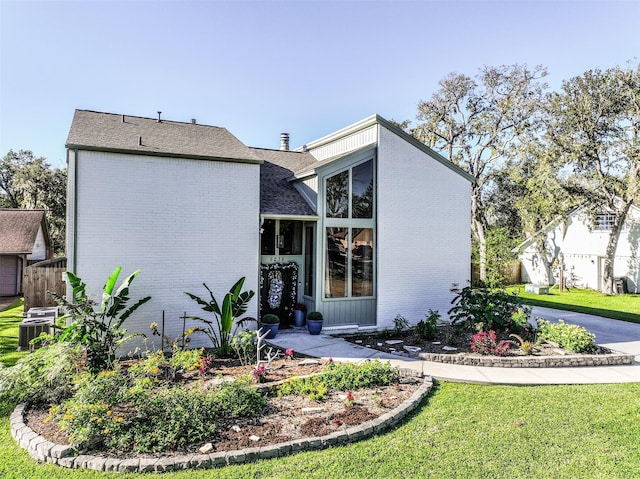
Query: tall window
{"points": [[350, 232]]}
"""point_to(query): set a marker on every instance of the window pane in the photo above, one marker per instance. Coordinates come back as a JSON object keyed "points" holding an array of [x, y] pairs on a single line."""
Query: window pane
{"points": [[268, 238], [338, 195], [308, 262], [335, 275], [291, 232], [362, 190], [362, 262]]}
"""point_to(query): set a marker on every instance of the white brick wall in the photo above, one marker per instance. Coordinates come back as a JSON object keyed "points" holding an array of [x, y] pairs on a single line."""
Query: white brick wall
{"points": [[423, 232], [181, 222]]}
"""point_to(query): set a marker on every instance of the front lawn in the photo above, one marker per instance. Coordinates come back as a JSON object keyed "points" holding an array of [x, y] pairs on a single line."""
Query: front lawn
{"points": [[461, 430], [10, 319], [625, 307]]}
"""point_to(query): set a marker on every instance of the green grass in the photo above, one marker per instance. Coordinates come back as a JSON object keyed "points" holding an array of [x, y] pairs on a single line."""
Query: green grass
{"points": [[10, 319], [625, 307], [461, 430]]}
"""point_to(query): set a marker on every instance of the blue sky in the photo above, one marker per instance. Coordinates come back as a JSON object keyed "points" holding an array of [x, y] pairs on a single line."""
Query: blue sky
{"points": [[261, 68]]}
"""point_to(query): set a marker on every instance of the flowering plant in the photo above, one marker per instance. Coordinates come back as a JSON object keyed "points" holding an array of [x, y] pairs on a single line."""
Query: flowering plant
{"points": [[288, 353], [259, 373], [486, 343], [299, 307]]}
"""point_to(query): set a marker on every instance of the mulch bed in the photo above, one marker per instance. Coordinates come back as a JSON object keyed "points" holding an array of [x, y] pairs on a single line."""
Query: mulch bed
{"points": [[285, 418]]}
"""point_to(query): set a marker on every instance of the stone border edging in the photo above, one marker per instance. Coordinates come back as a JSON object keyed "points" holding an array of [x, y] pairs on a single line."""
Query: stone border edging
{"points": [[567, 361], [65, 456]]}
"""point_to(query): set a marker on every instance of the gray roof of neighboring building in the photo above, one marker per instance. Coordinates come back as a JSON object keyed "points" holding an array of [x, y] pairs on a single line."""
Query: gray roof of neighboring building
{"points": [[19, 229], [278, 196], [91, 130]]}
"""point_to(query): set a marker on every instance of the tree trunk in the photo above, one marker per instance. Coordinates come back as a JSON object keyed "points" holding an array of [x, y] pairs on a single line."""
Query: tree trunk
{"points": [[477, 221], [542, 252], [612, 246]]}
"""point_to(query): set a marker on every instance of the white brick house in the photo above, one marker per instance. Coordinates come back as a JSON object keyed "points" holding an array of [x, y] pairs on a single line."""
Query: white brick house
{"points": [[581, 242], [361, 225]]}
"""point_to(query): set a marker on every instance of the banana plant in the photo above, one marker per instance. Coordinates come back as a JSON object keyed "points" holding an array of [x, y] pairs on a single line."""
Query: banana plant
{"points": [[100, 330], [234, 305]]}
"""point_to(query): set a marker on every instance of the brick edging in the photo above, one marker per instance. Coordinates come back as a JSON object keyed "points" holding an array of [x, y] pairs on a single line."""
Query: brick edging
{"points": [[566, 361], [67, 456]]}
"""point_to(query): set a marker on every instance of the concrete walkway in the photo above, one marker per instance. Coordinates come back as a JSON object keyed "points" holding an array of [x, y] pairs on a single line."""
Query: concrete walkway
{"points": [[613, 334]]}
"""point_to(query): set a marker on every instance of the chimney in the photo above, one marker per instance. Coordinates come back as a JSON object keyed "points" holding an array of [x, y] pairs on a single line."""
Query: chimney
{"points": [[193, 121], [284, 141]]}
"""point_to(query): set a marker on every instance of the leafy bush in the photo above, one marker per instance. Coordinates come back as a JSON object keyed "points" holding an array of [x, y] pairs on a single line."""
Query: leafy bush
{"points": [[107, 411], [234, 305], [244, 346], [482, 309], [46, 376], [342, 377], [427, 328], [99, 332], [486, 343], [569, 336], [187, 359], [314, 316], [270, 319]]}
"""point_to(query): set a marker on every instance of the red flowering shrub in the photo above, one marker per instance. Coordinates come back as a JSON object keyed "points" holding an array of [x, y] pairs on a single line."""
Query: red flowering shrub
{"points": [[485, 343]]}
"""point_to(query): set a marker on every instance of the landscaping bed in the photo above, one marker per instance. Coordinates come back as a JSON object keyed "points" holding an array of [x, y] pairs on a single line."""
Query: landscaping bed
{"points": [[452, 345], [286, 419]]}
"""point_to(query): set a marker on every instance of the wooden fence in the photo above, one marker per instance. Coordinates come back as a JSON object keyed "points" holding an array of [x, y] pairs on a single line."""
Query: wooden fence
{"points": [[42, 277]]}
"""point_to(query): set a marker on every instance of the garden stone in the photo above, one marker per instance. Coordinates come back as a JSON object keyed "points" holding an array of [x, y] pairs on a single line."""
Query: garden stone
{"points": [[379, 344], [449, 348], [254, 438], [412, 349], [312, 410], [206, 448], [394, 341], [436, 342], [307, 362]]}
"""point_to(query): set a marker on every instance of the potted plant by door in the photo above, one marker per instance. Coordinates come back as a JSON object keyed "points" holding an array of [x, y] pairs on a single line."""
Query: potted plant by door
{"points": [[314, 322], [298, 314], [270, 323]]}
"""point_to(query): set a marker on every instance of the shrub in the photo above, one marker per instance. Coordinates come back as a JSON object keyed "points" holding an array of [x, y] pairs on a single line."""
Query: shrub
{"points": [[187, 359], [270, 319], [571, 337], [244, 346], [486, 343], [342, 377], [314, 316], [107, 412], [483, 309], [46, 376], [427, 328]]}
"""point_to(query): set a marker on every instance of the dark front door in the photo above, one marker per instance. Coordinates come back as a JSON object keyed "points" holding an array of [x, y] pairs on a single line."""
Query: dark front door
{"points": [[278, 291]]}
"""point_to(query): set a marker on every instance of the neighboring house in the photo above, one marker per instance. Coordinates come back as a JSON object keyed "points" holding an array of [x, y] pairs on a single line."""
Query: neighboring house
{"points": [[361, 225], [580, 242], [24, 239]]}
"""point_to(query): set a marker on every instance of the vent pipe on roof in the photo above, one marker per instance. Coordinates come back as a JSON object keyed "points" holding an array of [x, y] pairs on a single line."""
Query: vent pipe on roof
{"points": [[122, 118], [139, 141], [159, 113], [284, 141], [193, 121]]}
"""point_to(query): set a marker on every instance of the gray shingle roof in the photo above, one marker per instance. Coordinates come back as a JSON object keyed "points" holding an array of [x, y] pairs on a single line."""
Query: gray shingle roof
{"points": [[18, 230], [277, 195], [92, 130]]}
